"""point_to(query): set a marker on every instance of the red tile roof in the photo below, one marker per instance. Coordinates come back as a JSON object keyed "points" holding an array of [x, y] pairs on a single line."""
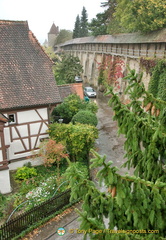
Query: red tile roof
{"points": [[74, 88], [26, 77]]}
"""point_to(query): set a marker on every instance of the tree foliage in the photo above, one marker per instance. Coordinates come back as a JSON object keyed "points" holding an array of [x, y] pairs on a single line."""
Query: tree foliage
{"points": [[113, 25], [84, 23], [98, 25], [67, 68], [50, 52], [77, 27], [52, 152], [143, 128], [71, 106], [141, 15], [132, 16], [81, 25], [85, 117], [78, 139], [63, 36], [129, 202], [134, 206]]}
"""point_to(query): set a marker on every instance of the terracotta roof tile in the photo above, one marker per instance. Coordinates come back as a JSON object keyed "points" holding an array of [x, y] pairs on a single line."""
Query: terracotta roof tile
{"points": [[74, 88], [26, 77]]}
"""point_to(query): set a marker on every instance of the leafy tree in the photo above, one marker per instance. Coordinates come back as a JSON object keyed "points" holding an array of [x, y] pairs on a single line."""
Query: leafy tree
{"points": [[51, 153], [71, 106], [67, 68], [77, 27], [141, 15], [113, 25], [50, 52], [98, 26], [129, 202], [84, 23], [78, 139], [132, 16], [85, 117], [63, 36]]}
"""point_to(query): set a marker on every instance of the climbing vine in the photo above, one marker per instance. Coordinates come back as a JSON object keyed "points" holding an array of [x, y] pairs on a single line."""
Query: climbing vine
{"points": [[148, 64], [157, 84], [110, 70]]}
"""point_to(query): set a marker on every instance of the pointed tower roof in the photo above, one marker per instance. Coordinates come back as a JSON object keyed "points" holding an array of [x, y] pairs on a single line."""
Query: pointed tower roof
{"points": [[54, 29]]}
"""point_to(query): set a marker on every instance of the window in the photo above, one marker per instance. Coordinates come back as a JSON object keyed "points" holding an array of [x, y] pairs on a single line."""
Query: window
{"points": [[12, 118]]}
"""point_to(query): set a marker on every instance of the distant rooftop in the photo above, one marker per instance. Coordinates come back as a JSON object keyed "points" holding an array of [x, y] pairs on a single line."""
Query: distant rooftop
{"points": [[54, 29]]}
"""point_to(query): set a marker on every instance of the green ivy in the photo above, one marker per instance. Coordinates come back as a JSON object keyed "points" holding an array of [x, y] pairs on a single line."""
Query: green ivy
{"points": [[157, 84]]}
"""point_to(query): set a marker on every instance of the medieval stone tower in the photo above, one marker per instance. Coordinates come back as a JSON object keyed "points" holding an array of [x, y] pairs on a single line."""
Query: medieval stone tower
{"points": [[52, 35]]}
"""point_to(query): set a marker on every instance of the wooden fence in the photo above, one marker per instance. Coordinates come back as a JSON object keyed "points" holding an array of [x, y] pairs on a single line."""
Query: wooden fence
{"points": [[22, 222]]}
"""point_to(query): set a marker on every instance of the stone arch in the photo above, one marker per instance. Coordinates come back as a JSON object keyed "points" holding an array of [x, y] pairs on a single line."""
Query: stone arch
{"points": [[86, 72]]}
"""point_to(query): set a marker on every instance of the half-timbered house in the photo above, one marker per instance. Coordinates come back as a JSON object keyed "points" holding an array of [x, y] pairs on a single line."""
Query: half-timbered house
{"points": [[28, 92]]}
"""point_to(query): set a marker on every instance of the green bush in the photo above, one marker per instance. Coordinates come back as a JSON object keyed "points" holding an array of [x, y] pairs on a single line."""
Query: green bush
{"points": [[85, 117], [70, 106], [24, 173], [78, 138], [90, 106]]}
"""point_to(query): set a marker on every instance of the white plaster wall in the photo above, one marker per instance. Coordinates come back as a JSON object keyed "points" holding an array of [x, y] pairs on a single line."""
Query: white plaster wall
{"points": [[34, 162], [43, 112], [26, 118], [34, 128], [31, 115], [5, 186], [7, 136]]}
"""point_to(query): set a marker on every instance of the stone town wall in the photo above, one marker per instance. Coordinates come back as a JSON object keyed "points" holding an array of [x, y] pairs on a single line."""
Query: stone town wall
{"points": [[130, 48]]}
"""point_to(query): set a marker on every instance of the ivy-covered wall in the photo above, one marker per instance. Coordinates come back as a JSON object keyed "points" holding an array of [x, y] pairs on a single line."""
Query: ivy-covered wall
{"points": [[157, 84]]}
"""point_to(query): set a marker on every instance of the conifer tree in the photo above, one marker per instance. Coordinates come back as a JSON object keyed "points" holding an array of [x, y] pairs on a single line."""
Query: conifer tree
{"points": [[84, 23], [134, 206], [77, 28]]}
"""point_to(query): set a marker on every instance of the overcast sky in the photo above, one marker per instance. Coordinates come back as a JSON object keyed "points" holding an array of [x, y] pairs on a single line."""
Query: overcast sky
{"points": [[41, 14]]}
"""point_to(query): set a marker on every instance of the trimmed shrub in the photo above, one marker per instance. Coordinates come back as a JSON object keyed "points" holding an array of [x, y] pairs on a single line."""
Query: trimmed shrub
{"points": [[85, 117]]}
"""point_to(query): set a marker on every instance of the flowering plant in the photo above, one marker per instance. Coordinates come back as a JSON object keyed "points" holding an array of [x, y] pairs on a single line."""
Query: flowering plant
{"points": [[41, 193]]}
